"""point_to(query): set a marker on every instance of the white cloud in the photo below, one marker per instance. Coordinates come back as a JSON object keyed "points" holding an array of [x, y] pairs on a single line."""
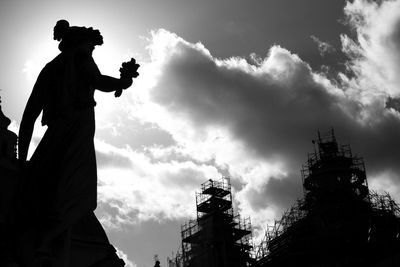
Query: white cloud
{"points": [[255, 120], [147, 189], [375, 52], [386, 181]]}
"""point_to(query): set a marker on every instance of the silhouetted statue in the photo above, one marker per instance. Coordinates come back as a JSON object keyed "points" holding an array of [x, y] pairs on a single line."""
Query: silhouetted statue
{"points": [[59, 188]]}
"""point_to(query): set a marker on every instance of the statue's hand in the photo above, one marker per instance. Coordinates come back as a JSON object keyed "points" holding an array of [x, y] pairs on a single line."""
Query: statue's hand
{"points": [[127, 82], [128, 71]]}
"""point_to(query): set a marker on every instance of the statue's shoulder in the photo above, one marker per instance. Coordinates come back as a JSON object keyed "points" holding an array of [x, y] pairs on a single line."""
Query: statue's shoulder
{"points": [[56, 61], [54, 66]]}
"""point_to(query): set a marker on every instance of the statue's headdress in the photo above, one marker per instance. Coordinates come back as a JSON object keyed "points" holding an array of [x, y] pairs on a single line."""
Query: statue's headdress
{"points": [[72, 36]]}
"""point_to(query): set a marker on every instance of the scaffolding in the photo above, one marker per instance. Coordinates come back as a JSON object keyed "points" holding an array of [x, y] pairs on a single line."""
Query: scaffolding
{"points": [[176, 260], [339, 222], [384, 203], [332, 169], [219, 236]]}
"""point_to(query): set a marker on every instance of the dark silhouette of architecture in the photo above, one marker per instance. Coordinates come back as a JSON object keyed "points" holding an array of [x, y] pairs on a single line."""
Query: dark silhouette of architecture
{"points": [[8, 181], [339, 222], [218, 237], [47, 203]]}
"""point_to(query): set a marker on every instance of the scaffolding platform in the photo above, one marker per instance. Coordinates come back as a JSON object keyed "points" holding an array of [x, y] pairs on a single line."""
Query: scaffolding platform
{"points": [[219, 237]]}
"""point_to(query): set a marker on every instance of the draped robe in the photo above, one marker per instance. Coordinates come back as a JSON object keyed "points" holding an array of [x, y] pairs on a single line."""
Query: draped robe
{"points": [[60, 187]]}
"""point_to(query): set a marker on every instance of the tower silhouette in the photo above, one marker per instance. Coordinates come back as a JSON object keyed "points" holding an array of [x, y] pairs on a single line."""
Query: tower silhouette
{"points": [[339, 222], [218, 237]]}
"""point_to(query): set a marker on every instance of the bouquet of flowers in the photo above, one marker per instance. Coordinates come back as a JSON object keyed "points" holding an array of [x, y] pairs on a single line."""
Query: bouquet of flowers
{"points": [[128, 70]]}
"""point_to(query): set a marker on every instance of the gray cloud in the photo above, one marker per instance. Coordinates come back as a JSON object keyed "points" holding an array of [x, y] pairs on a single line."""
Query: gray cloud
{"points": [[275, 109], [277, 118], [113, 215], [278, 193], [187, 178], [121, 130], [111, 159], [281, 191], [142, 241]]}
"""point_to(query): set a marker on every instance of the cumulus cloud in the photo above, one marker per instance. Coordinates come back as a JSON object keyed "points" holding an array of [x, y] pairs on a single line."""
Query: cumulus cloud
{"points": [[375, 50], [137, 188], [374, 61], [258, 105], [255, 120]]}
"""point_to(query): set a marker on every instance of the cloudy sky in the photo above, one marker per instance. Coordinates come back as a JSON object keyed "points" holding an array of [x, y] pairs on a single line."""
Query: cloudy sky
{"points": [[226, 88]]}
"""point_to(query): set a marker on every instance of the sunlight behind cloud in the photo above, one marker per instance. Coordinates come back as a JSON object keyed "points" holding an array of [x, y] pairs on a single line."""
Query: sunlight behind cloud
{"points": [[250, 121]]}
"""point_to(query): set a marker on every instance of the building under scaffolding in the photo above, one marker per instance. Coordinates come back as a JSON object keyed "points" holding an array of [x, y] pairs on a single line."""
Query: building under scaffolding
{"points": [[218, 237], [339, 222]]}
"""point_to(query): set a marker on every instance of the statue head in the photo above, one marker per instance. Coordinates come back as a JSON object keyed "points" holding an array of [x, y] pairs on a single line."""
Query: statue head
{"points": [[73, 36]]}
